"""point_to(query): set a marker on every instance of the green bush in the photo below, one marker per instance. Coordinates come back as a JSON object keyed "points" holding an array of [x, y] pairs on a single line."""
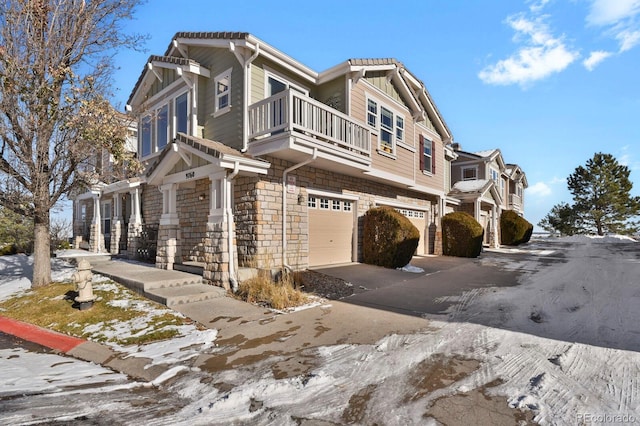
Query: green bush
{"points": [[514, 229], [462, 235], [8, 249], [389, 239]]}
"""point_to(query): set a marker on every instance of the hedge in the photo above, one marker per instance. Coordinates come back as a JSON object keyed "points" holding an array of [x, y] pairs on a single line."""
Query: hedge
{"points": [[462, 235], [389, 239], [514, 229]]}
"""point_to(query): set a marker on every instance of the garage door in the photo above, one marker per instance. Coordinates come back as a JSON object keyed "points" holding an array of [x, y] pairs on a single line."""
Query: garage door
{"points": [[330, 230], [418, 218]]}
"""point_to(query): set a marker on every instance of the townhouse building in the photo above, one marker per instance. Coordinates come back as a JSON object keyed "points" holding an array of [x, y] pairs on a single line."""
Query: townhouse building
{"points": [[253, 159]]}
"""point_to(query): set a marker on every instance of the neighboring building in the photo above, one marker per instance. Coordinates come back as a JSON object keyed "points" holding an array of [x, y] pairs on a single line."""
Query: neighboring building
{"points": [[234, 132], [486, 186]]}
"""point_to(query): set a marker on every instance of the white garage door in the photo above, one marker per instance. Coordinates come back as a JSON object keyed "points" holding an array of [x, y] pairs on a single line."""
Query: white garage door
{"points": [[330, 230], [418, 219]]}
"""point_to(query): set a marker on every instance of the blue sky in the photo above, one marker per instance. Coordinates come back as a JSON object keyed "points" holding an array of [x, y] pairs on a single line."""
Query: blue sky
{"points": [[548, 82]]}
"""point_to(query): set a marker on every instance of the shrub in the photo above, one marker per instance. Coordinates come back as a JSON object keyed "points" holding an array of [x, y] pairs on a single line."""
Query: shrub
{"points": [[514, 229], [262, 290], [8, 249], [462, 235], [389, 239]]}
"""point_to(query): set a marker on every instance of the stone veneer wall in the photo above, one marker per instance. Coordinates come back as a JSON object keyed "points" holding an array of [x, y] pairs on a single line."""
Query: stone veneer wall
{"points": [[193, 214], [259, 209]]}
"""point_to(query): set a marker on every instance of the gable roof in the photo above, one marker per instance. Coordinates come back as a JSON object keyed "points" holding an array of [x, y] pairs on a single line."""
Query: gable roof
{"points": [[411, 87]]}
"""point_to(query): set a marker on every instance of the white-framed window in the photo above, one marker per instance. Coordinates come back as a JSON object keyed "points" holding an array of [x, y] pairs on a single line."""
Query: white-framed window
{"points": [[105, 217], [146, 135], [427, 155], [324, 203], [311, 202], [276, 83], [335, 205], [160, 124], [346, 206], [222, 84], [388, 123], [372, 113], [469, 173], [399, 129], [495, 175], [519, 190], [181, 108], [162, 127]]}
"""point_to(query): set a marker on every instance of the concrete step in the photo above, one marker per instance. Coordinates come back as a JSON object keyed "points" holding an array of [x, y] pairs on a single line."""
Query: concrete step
{"points": [[142, 278], [172, 296]]}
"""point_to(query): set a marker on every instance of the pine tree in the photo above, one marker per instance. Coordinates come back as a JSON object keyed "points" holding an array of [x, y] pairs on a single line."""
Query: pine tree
{"points": [[602, 197]]}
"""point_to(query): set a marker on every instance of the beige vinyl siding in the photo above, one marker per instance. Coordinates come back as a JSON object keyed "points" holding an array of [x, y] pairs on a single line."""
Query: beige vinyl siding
{"points": [[431, 180]]}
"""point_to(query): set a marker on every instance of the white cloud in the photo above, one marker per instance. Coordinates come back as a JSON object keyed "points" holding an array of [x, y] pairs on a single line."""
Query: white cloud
{"points": [[595, 58], [538, 5], [628, 39], [539, 189], [610, 12], [542, 55]]}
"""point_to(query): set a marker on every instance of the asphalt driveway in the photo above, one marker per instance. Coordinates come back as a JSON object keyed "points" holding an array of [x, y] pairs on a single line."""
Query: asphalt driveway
{"points": [[420, 293]]}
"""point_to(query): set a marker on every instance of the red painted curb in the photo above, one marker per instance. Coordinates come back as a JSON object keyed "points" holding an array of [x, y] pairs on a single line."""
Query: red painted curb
{"points": [[35, 334]]}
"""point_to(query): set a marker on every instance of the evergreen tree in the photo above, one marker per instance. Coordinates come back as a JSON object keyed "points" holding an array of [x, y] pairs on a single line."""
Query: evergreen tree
{"points": [[562, 218], [602, 198]]}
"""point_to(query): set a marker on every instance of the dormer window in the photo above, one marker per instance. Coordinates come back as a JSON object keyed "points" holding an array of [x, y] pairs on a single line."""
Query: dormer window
{"points": [[469, 173], [222, 85]]}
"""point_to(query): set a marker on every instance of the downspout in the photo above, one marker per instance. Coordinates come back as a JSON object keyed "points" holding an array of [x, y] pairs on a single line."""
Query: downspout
{"points": [[233, 281], [285, 266]]}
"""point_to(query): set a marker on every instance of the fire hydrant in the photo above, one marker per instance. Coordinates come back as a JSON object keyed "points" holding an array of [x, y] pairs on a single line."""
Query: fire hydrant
{"points": [[82, 278]]}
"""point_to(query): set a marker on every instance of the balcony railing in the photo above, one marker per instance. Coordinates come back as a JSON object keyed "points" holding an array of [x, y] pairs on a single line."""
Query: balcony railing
{"points": [[515, 200], [294, 112]]}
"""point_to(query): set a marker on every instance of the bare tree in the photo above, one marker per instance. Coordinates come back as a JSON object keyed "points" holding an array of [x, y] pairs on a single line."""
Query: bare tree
{"points": [[55, 77]]}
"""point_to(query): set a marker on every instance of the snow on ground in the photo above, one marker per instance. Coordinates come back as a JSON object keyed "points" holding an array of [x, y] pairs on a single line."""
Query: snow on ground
{"points": [[564, 344]]}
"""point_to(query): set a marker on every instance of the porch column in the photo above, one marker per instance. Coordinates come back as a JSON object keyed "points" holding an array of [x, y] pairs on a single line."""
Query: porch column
{"points": [[169, 230], [220, 250], [494, 241], [116, 224], [135, 224], [477, 210], [96, 239], [438, 211]]}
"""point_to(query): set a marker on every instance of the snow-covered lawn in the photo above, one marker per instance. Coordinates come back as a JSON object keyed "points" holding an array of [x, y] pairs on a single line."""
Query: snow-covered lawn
{"points": [[563, 345]]}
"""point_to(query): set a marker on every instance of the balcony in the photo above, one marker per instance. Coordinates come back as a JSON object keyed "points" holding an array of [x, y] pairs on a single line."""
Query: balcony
{"points": [[515, 202], [290, 125]]}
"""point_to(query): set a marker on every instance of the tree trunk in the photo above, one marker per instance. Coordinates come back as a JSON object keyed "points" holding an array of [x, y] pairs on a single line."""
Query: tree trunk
{"points": [[41, 251]]}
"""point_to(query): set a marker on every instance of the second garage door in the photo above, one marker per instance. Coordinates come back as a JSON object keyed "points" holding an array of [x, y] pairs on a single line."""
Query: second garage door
{"points": [[418, 219], [330, 230]]}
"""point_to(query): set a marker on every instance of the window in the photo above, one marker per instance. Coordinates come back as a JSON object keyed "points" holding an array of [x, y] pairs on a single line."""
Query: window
{"points": [[372, 113], [346, 206], [399, 129], [275, 86], [469, 173], [427, 155], [161, 124], [389, 124], [223, 92], [324, 203], [145, 131], [106, 218], [182, 113], [519, 190], [494, 175], [162, 127], [386, 130], [311, 203], [335, 205]]}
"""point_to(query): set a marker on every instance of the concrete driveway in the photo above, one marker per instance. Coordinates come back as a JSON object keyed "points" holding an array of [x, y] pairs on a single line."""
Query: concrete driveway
{"points": [[419, 293]]}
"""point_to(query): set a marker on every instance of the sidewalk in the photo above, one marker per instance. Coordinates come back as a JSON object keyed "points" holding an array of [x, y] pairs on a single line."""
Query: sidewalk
{"points": [[245, 333]]}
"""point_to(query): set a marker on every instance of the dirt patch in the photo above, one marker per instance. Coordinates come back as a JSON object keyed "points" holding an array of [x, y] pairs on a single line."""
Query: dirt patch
{"points": [[357, 408], [299, 364], [322, 285], [476, 407], [438, 372]]}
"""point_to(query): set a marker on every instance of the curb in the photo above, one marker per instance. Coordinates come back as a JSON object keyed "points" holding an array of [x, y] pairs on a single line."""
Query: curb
{"points": [[47, 338], [84, 350]]}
